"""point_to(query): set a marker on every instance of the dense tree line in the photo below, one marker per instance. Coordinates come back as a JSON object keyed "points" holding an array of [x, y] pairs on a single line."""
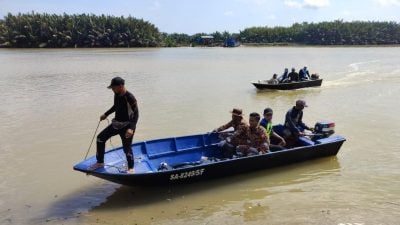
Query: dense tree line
{"points": [[175, 39], [50, 30], [54, 31], [326, 33]]}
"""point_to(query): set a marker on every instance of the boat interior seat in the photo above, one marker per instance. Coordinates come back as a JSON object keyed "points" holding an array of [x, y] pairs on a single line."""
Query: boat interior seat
{"points": [[187, 158], [303, 141], [278, 128], [143, 166], [328, 140]]}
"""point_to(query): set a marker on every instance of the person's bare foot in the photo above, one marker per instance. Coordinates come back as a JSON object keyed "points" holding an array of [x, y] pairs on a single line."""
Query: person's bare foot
{"points": [[96, 166], [130, 171]]}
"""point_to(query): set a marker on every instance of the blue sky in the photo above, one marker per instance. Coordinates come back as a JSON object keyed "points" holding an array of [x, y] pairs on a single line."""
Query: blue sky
{"points": [[189, 16]]}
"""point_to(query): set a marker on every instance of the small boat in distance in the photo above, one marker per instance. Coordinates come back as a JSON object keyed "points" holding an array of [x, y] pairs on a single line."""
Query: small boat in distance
{"points": [[198, 157], [263, 84], [231, 42]]}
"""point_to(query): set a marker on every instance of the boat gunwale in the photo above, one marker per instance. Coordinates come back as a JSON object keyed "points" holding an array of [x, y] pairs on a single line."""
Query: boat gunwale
{"points": [[175, 170], [288, 86]]}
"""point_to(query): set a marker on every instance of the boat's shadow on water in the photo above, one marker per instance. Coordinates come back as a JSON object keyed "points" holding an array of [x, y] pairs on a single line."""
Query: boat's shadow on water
{"points": [[275, 97], [109, 196], [125, 196]]}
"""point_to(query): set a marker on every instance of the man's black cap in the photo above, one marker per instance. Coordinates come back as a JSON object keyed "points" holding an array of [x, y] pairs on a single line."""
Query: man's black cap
{"points": [[116, 81], [268, 111]]}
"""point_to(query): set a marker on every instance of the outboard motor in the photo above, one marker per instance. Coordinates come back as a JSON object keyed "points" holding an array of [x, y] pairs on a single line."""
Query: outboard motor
{"points": [[314, 76], [324, 129]]}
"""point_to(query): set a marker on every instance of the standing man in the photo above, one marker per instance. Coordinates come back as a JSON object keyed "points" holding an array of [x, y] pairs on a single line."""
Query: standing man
{"points": [[124, 123], [294, 125]]}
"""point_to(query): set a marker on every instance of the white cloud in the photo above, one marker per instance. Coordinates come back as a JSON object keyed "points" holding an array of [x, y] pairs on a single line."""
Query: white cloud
{"points": [[293, 4], [316, 3], [259, 2], [228, 13], [311, 4], [254, 2], [388, 2]]}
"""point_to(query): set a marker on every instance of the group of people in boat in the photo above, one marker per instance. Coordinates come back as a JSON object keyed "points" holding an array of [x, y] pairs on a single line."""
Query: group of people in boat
{"points": [[257, 136], [293, 76]]}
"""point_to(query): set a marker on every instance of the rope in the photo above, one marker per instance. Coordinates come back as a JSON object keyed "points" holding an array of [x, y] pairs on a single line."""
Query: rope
{"points": [[120, 170], [92, 140], [87, 153]]}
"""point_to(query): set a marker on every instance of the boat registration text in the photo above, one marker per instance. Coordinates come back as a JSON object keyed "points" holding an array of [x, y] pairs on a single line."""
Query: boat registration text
{"points": [[187, 174]]}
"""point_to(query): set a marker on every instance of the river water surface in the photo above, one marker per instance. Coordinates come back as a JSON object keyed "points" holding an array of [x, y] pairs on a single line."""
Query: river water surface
{"points": [[51, 100]]}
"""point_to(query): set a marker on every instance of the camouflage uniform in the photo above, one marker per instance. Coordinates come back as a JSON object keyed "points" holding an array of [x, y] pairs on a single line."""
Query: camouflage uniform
{"points": [[233, 123], [240, 136], [232, 140], [256, 141]]}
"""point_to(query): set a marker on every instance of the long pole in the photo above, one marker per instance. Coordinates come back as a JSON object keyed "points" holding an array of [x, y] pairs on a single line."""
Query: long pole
{"points": [[92, 140]]}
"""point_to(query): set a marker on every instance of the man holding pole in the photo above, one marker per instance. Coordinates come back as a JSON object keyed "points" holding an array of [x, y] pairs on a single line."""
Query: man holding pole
{"points": [[124, 123]]}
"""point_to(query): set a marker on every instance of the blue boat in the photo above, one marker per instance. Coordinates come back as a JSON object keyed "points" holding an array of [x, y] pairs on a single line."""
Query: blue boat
{"points": [[198, 157], [231, 42]]}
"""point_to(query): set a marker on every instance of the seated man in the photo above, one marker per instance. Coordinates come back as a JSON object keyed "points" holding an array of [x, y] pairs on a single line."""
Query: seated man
{"points": [[231, 141], [237, 120], [284, 77], [274, 79], [257, 140], [293, 76], [294, 125], [239, 132], [276, 141], [304, 74]]}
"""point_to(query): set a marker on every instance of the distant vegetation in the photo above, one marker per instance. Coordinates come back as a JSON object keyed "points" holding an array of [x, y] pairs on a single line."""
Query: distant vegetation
{"points": [[55, 31], [326, 33], [173, 40], [58, 31]]}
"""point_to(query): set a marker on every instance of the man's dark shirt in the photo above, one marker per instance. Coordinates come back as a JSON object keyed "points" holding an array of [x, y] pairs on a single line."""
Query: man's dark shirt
{"points": [[293, 76], [122, 112], [294, 120], [304, 74]]}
